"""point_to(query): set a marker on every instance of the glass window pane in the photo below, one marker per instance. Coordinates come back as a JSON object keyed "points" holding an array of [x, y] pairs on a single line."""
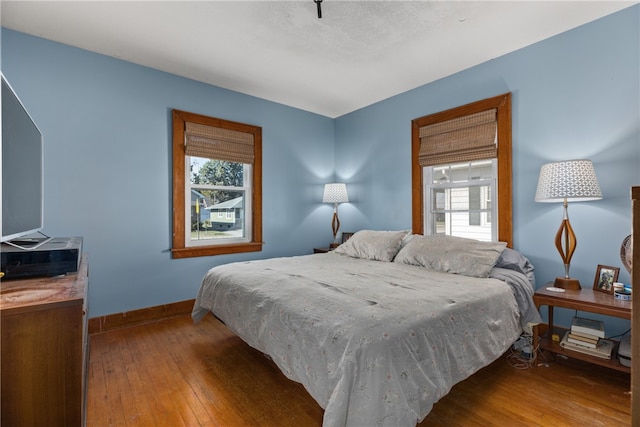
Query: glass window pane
{"points": [[439, 199], [460, 228], [474, 206], [217, 214], [441, 174], [216, 172], [218, 204], [459, 199]]}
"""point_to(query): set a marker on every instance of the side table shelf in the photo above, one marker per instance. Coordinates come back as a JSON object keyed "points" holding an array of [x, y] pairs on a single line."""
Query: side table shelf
{"points": [[585, 300], [546, 343]]}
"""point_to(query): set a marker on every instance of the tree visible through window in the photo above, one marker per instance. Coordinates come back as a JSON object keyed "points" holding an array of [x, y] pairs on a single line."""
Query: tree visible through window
{"points": [[216, 185], [218, 191]]}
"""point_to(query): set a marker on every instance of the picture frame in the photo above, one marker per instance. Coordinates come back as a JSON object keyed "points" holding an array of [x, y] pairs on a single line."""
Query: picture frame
{"points": [[605, 277], [346, 236]]}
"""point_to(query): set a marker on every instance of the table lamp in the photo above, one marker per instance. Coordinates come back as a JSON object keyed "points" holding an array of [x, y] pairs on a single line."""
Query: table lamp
{"points": [[570, 180], [335, 193]]}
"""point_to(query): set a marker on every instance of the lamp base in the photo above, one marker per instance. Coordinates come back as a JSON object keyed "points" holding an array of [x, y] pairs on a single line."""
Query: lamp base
{"points": [[567, 283]]}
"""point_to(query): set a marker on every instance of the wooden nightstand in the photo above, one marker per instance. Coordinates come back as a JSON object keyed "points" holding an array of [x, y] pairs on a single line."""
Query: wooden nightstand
{"points": [[582, 300], [322, 250]]}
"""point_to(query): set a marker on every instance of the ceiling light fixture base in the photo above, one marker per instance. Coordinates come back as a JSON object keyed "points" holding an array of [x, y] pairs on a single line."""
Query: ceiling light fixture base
{"points": [[319, 3]]}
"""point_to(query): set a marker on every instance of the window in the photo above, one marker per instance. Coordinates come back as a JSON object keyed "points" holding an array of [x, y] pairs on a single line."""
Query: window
{"points": [[217, 186], [458, 199], [461, 166]]}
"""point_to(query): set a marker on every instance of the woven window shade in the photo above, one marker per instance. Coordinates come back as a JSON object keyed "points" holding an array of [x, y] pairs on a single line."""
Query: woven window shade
{"points": [[462, 139], [218, 143]]}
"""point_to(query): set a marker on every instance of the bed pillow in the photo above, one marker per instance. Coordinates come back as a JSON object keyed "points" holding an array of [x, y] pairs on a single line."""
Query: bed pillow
{"points": [[374, 245], [450, 254], [514, 260]]}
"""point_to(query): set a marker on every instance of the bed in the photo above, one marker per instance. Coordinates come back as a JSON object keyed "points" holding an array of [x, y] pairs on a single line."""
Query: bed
{"points": [[381, 328]]}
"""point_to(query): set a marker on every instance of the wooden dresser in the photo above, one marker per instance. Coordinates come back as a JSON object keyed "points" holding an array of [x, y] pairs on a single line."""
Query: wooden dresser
{"points": [[635, 320], [44, 353]]}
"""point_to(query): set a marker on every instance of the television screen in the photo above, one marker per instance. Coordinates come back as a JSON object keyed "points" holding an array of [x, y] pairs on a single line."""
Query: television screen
{"points": [[22, 169]]}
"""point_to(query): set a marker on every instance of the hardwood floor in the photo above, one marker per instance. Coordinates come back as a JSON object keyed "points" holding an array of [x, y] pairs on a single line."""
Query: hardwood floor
{"points": [[174, 373]]}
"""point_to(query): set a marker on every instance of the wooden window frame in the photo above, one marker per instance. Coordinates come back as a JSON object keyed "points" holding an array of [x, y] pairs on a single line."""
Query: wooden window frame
{"points": [[502, 103], [179, 248]]}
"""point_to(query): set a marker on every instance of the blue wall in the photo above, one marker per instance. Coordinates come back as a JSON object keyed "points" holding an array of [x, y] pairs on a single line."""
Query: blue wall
{"points": [[576, 95], [107, 130]]}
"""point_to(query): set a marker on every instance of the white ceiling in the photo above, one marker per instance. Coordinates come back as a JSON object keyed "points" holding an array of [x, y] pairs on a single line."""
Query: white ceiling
{"points": [[359, 53]]}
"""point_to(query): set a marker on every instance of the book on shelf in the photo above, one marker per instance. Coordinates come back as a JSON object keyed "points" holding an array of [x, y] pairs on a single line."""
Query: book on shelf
{"points": [[578, 341], [603, 349], [584, 337], [587, 326], [589, 337]]}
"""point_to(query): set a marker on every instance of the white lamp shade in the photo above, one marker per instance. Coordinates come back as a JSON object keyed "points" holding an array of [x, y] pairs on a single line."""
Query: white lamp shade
{"points": [[573, 180], [335, 193]]}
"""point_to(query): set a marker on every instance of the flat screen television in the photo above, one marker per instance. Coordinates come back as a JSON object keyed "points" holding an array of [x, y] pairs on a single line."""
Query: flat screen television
{"points": [[22, 170]]}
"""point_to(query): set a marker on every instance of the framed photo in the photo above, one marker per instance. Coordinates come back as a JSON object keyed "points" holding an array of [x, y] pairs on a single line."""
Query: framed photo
{"points": [[605, 276], [346, 236]]}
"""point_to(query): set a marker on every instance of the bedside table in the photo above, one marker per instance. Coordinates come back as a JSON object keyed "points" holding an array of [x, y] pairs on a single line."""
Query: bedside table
{"points": [[586, 300], [322, 250]]}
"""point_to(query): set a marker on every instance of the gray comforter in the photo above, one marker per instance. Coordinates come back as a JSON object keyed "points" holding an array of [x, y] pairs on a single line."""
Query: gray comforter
{"points": [[374, 343]]}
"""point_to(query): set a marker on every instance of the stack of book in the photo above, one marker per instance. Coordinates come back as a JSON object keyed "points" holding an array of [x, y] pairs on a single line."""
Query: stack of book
{"points": [[587, 336], [586, 332]]}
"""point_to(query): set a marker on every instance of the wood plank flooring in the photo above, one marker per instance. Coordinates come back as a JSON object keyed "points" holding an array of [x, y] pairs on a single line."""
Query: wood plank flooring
{"points": [[175, 373]]}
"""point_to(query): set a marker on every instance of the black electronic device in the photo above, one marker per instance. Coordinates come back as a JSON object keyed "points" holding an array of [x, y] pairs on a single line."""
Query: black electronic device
{"points": [[60, 255]]}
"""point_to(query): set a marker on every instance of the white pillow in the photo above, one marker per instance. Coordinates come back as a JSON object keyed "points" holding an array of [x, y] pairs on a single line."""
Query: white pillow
{"points": [[450, 254], [374, 245]]}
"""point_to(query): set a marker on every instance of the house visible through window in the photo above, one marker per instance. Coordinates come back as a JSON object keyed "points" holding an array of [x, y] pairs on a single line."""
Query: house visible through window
{"points": [[458, 200], [217, 186]]}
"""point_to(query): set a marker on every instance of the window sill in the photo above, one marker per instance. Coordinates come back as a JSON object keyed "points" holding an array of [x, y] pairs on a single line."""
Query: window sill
{"points": [[215, 250]]}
